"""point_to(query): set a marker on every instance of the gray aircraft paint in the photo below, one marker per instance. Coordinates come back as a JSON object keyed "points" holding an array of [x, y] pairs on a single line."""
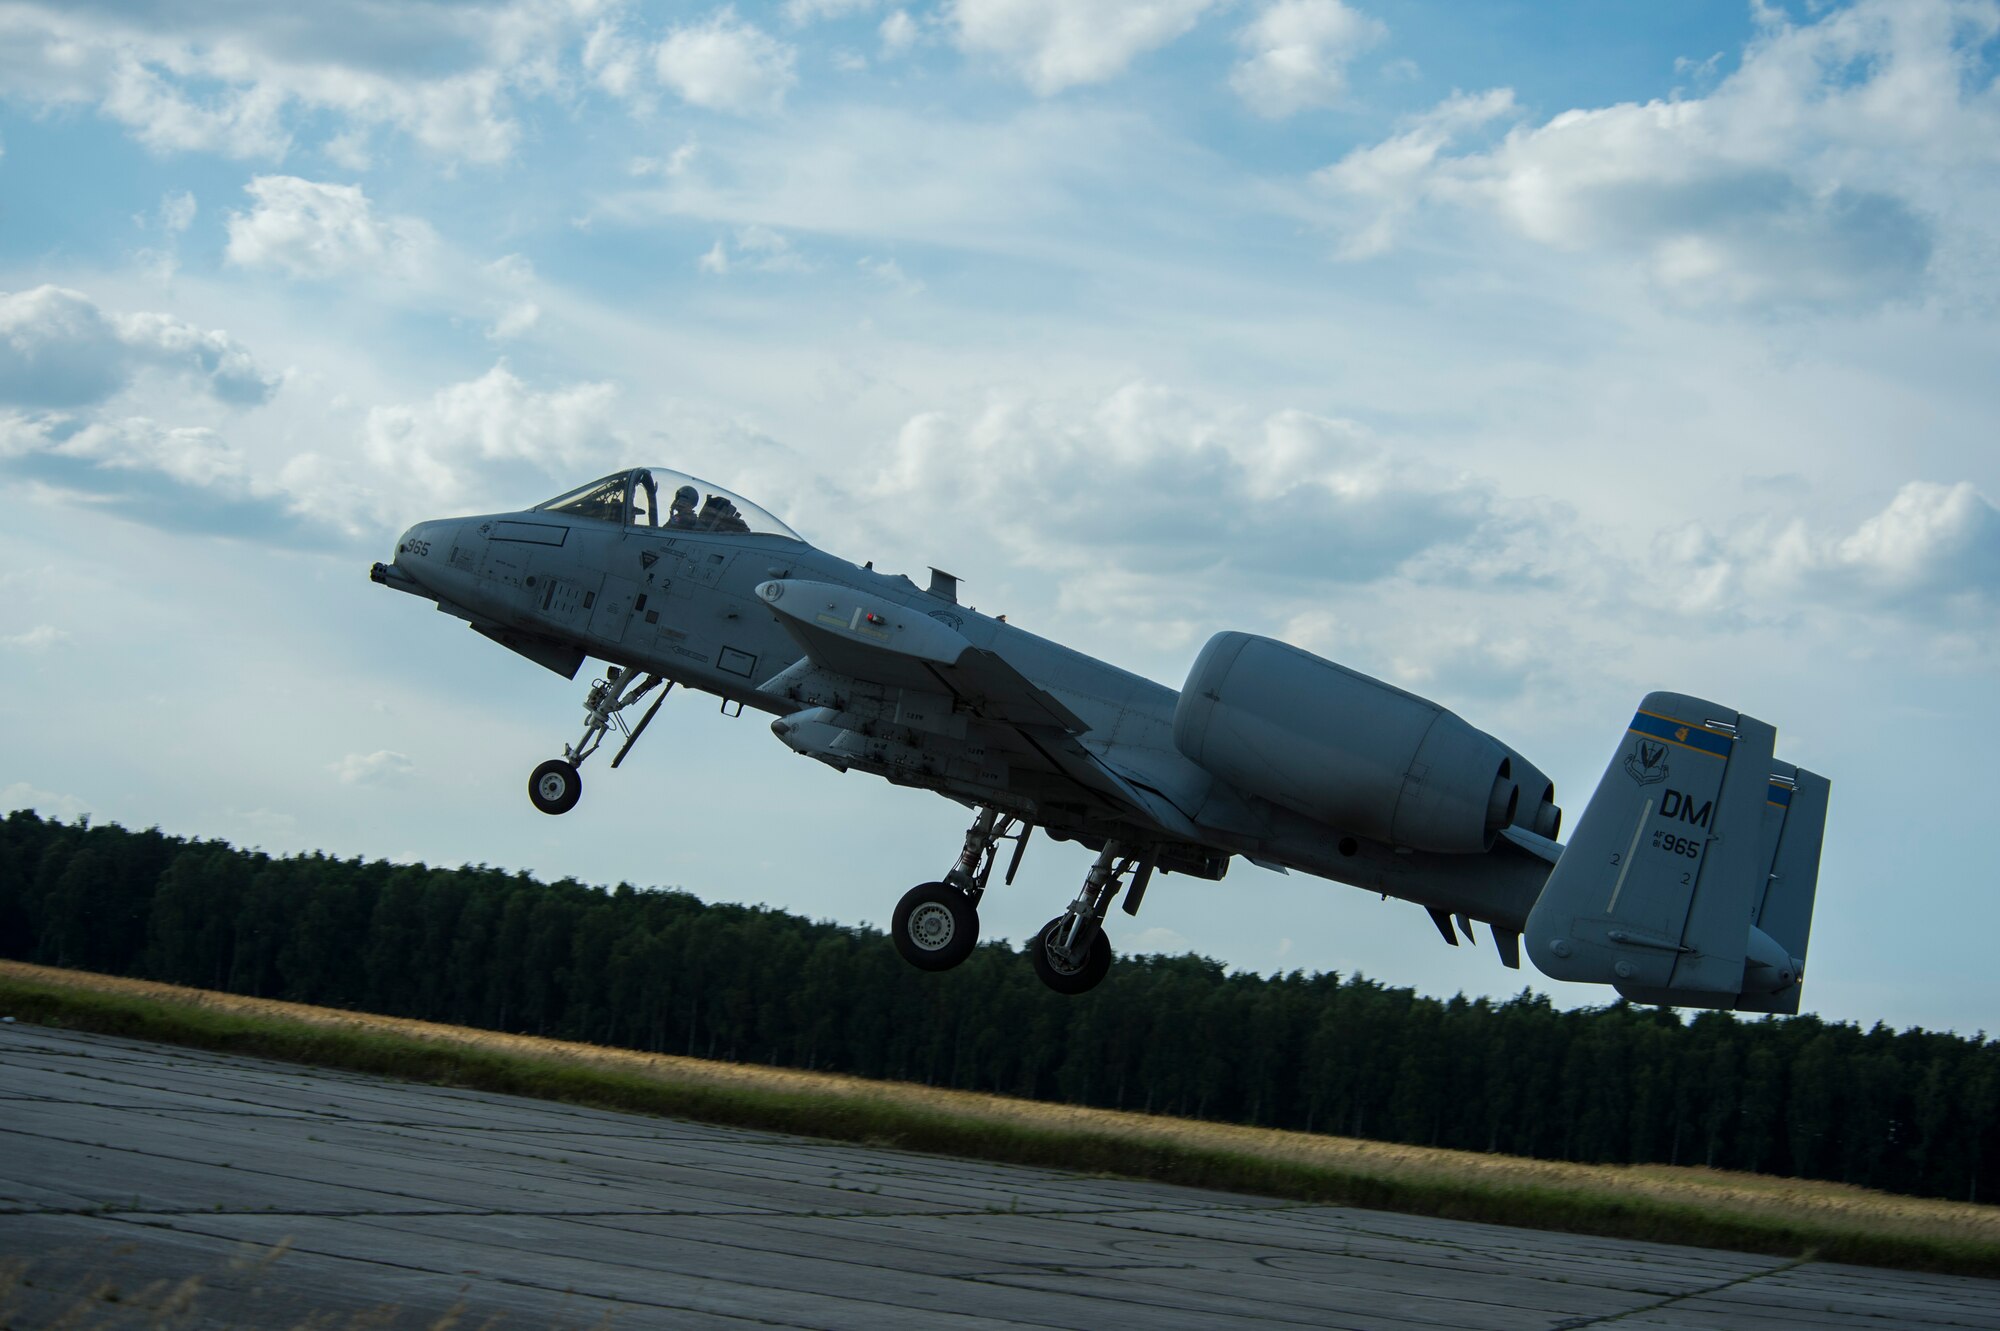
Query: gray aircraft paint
{"points": [[1270, 752]]}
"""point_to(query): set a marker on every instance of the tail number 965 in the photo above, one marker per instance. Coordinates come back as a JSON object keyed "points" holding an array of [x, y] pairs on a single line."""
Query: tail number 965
{"points": [[1677, 845]]}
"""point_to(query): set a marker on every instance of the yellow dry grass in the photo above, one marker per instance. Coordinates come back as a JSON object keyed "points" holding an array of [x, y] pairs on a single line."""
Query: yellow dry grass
{"points": [[1750, 1195]]}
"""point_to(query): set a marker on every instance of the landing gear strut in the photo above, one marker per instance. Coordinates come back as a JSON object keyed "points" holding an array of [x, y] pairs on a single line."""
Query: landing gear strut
{"points": [[936, 925], [1071, 953], [556, 786]]}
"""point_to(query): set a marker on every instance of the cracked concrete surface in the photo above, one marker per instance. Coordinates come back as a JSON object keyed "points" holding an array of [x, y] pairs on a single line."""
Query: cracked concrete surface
{"points": [[263, 1194]]}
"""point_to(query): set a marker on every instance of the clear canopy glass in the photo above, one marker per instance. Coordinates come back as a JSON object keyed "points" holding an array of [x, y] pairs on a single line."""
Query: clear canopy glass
{"points": [[663, 498]]}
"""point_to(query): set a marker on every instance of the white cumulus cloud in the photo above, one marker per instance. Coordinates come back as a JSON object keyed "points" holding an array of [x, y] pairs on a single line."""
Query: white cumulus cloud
{"points": [[1389, 180], [1933, 547], [443, 448], [313, 229], [371, 769], [37, 639], [1931, 553], [800, 12], [170, 477], [48, 803], [614, 59], [193, 456], [1057, 44], [726, 64], [512, 278], [1200, 488], [59, 349], [514, 321], [1810, 177], [899, 34], [756, 249], [177, 211], [247, 80], [1296, 53]]}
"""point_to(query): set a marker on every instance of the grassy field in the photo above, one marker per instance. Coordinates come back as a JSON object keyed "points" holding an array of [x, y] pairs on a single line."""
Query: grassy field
{"points": [[1751, 1213]]}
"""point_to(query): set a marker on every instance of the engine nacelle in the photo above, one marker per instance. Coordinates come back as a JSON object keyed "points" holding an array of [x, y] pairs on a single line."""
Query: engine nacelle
{"points": [[1350, 751], [1537, 810]]}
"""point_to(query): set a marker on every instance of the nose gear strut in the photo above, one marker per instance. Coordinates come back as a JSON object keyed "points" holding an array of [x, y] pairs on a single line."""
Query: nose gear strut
{"points": [[555, 786]]}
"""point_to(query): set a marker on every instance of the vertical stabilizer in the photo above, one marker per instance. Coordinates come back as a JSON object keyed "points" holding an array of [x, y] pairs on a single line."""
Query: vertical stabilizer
{"points": [[1690, 878], [1794, 824]]}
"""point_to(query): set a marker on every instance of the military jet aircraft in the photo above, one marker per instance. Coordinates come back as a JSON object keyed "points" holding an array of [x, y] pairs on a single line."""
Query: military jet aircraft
{"points": [[1689, 881]]}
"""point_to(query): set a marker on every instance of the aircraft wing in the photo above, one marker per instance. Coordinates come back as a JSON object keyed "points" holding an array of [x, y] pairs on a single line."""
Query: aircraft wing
{"points": [[850, 633], [1037, 739]]}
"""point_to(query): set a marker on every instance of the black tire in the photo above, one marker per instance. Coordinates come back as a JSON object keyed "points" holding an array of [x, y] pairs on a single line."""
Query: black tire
{"points": [[555, 786], [1060, 975], [935, 926]]}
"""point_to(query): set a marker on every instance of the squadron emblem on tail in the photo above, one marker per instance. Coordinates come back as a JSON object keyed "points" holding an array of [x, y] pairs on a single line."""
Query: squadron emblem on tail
{"points": [[1647, 763]]}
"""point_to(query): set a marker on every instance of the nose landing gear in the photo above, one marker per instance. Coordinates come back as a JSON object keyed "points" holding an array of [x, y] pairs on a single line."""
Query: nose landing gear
{"points": [[936, 925], [556, 786]]}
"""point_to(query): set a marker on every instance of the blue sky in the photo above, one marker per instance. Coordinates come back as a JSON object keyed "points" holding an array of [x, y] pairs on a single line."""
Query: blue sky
{"points": [[1529, 356]]}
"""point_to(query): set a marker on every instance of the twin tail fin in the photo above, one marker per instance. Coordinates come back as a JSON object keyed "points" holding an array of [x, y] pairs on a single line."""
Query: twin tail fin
{"points": [[1690, 878]]}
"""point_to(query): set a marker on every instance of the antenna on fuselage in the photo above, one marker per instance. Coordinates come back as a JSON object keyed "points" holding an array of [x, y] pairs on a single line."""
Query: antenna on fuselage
{"points": [[944, 585]]}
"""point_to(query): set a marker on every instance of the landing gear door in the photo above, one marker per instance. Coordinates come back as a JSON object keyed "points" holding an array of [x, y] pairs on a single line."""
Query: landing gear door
{"points": [[614, 608]]}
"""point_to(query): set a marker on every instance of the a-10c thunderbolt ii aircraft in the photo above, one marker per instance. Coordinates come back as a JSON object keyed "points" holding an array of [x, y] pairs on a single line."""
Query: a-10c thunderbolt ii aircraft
{"points": [[1689, 880]]}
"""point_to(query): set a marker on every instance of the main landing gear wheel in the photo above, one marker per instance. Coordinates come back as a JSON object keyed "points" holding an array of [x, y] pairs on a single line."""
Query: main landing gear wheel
{"points": [[1063, 974], [555, 787], [935, 926]]}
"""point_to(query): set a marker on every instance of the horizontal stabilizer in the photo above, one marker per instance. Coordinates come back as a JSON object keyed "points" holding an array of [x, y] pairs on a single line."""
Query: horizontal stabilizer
{"points": [[1691, 876]]}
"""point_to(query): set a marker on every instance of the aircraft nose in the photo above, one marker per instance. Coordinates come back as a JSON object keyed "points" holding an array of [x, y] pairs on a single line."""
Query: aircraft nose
{"points": [[415, 544], [421, 555]]}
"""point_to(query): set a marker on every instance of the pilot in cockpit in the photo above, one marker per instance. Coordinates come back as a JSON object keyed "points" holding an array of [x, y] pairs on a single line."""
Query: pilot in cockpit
{"points": [[682, 513], [718, 514]]}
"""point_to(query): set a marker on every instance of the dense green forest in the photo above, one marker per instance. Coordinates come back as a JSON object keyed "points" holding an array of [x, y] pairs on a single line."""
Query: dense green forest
{"points": [[1910, 1111]]}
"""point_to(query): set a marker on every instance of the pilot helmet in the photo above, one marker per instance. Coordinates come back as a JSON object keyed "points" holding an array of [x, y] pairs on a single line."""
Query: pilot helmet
{"points": [[686, 496]]}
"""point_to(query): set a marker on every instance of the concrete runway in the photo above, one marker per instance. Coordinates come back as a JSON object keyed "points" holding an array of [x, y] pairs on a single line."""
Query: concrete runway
{"points": [[131, 1168]]}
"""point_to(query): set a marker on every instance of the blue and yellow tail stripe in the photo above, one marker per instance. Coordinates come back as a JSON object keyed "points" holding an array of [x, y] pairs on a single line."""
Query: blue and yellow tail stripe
{"points": [[1779, 795], [1684, 734]]}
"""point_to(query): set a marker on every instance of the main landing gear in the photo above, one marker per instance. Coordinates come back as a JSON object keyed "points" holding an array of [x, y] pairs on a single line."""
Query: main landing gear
{"points": [[936, 925], [1071, 954], [555, 786]]}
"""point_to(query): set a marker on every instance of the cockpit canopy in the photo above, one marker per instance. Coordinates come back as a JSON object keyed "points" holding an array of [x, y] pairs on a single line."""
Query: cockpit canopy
{"points": [[664, 498]]}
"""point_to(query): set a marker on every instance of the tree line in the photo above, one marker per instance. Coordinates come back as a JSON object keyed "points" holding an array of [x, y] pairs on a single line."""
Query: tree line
{"points": [[1909, 1111]]}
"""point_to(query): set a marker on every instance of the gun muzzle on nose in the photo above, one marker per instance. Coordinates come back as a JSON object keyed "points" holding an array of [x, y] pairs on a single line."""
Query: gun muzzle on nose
{"points": [[389, 575]]}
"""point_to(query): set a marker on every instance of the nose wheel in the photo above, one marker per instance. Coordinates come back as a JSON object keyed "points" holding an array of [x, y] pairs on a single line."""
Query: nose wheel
{"points": [[556, 786]]}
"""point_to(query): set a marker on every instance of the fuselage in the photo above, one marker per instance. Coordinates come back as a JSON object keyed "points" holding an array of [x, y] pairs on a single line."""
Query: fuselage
{"points": [[683, 604]]}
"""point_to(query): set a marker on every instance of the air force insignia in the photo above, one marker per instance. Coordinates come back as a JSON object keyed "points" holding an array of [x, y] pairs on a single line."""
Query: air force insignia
{"points": [[1647, 763]]}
